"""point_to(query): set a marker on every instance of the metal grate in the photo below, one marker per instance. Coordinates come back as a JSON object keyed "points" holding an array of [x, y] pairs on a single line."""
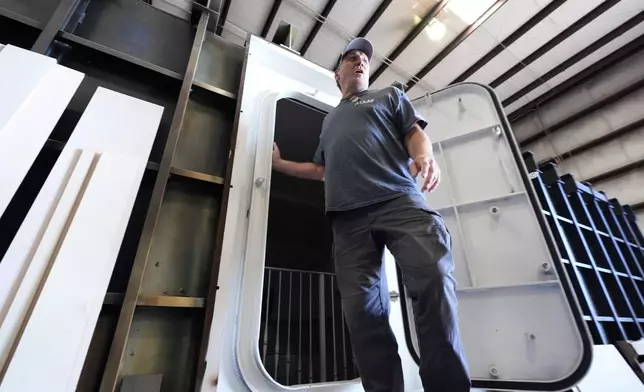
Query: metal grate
{"points": [[602, 251], [303, 337]]}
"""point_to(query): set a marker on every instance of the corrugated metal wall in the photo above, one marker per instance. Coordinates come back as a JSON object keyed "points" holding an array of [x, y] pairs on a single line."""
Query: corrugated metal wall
{"points": [[605, 146]]}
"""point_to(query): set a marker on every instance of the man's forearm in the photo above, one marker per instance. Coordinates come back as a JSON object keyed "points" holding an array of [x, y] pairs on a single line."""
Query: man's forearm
{"points": [[306, 170], [418, 144]]}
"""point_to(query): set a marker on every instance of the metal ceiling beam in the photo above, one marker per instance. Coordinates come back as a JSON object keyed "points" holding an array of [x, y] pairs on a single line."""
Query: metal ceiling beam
{"points": [[224, 15], [545, 48], [616, 172], [637, 206], [431, 14], [455, 43], [318, 25], [271, 17], [584, 112], [615, 33], [587, 74], [518, 33], [374, 18], [623, 131]]}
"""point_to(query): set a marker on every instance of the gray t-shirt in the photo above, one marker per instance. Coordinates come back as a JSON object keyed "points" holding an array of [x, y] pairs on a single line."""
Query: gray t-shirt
{"points": [[363, 150]]}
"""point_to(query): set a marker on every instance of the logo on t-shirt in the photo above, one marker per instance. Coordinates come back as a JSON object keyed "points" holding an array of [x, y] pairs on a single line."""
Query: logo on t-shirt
{"points": [[357, 101]]}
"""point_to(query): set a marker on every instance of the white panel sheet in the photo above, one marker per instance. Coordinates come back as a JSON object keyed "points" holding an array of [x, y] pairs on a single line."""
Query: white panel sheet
{"points": [[71, 236], [34, 92]]}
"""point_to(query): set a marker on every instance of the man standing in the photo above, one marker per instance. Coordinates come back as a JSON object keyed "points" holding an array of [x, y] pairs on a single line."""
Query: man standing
{"points": [[372, 147]]}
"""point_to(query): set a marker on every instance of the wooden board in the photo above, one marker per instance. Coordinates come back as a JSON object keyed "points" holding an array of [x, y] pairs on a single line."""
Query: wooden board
{"points": [[75, 233]]}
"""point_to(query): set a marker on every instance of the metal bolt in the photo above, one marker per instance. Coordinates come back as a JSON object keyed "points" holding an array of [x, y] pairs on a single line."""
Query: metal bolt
{"points": [[497, 131], [132, 353], [182, 290], [546, 267], [165, 291], [259, 182], [494, 210], [394, 295], [532, 336], [494, 372]]}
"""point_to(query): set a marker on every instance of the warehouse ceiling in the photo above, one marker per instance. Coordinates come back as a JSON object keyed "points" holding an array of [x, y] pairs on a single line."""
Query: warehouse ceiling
{"points": [[522, 48]]}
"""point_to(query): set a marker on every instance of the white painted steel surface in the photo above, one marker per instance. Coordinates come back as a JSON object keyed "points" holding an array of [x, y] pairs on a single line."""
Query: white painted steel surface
{"points": [[514, 316], [512, 309], [69, 241], [34, 92]]}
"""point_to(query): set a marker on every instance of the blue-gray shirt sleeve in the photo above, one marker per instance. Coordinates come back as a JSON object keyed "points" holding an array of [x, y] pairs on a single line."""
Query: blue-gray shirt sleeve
{"points": [[405, 114], [318, 158]]}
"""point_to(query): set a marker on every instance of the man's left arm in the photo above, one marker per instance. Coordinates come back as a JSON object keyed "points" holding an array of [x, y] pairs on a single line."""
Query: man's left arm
{"points": [[417, 143], [419, 148]]}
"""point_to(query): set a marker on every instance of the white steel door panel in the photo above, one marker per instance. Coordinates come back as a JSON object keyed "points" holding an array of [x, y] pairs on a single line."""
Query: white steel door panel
{"points": [[520, 325], [494, 233], [69, 241], [34, 92], [476, 176], [516, 318]]}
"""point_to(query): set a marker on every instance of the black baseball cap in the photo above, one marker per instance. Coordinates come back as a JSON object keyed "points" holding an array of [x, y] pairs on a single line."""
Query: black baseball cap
{"points": [[359, 43]]}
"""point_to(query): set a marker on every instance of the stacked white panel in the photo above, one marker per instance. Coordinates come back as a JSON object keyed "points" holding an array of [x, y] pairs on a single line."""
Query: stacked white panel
{"points": [[70, 240]]}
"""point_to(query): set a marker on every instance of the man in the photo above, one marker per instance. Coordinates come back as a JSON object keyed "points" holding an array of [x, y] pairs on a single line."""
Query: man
{"points": [[372, 147]]}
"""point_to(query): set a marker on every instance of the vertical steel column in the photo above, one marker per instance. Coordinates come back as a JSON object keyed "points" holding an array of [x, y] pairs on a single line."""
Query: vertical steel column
{"points": [[335, 354], [268, 307], [288, 331], [279, 314], [113, 365], [57, 22], [299, 335], [310, 328], [322, 325]]}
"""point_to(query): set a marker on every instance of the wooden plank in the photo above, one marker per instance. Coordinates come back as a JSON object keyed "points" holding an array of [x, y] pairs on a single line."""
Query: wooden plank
{"points": [[35, 92], [115, 134]]}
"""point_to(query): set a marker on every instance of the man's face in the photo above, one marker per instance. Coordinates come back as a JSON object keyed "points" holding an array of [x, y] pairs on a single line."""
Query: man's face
{"points": [[353, 72]]}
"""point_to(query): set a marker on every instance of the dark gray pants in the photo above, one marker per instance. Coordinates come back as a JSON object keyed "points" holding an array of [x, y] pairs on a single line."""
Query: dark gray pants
{"points": [[421, 245]]}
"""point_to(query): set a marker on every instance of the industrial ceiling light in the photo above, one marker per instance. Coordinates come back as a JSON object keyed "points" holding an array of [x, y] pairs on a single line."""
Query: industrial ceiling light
{"points": [[469, 10], [435, 29]]}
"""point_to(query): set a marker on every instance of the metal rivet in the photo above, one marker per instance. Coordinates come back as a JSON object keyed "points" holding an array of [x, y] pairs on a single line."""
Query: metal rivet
{"points": [[165, 291], [494, 210], [531, 336], [182, 290], [497, 131], [494, 372], [156, 264], [546, 267], [259, 182], [132, 353]]}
